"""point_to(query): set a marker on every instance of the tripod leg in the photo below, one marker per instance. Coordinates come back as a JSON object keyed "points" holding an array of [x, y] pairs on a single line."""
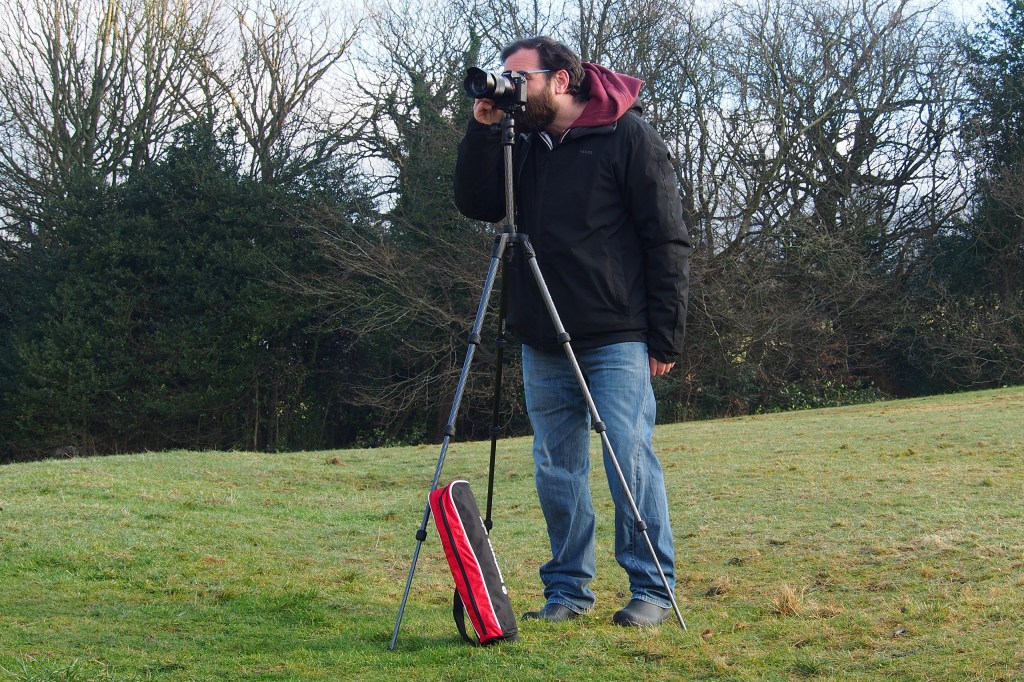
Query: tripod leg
{"points": [[599, 426], [499, 362], [421, 535], [500, 242]]}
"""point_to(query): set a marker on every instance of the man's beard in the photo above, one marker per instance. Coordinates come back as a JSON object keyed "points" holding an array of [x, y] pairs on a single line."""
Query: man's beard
{"points": [[539, 113]]}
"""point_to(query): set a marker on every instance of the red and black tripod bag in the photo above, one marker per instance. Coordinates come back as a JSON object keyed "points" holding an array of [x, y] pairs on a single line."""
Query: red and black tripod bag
{"points": [[479, 587]]}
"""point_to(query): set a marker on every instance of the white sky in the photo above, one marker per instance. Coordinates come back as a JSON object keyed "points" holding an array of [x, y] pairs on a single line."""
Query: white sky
{"points": [[972, 10]]}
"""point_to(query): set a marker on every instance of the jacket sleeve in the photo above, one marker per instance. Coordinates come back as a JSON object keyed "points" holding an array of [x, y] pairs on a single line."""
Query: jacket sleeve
{"points": [[479, 175], [657, 213]]}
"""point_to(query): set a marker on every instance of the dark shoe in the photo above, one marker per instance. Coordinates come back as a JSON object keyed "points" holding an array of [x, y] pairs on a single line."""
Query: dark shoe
{"points": [[551, 612], [640, 613]]}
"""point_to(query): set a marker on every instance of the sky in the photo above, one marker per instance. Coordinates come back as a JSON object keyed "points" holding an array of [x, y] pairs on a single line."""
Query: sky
{"points": [[972, 10]]}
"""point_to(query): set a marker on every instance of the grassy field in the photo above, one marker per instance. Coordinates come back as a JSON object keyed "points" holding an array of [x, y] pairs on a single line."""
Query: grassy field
{"points": [[877, 542]]}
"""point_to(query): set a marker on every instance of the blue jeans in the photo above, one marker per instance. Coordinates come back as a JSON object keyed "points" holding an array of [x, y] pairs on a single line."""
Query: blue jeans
{"points": [[619, 379]]}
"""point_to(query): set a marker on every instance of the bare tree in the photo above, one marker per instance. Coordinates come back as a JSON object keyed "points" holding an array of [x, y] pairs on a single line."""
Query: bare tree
{"points": [[496, 23], [273, 62], [406, 287], [409, 88], [839, 140], [840, 104], [93, 85]]}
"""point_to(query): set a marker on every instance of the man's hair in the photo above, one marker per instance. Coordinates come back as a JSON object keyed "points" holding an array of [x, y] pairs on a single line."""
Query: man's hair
{"points": [[556, 57]]}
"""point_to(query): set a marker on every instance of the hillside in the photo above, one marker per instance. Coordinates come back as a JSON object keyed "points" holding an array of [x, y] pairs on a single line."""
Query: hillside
{"points": [[875, 542]]}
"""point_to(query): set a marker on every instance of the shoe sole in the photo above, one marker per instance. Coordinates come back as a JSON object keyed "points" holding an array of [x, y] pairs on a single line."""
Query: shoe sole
{"points": [[637, 624], [539, 615]]}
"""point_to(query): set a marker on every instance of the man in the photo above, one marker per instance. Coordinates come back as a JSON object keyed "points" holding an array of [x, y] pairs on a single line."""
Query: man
{"points": [[597, 196]]}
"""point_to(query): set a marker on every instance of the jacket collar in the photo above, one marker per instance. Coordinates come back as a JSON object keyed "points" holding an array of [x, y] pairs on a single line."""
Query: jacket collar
{"points": [[571, 134]]}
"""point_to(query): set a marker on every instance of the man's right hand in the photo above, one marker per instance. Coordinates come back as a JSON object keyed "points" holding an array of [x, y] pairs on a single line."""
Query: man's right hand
{"points": [[485, 112]]}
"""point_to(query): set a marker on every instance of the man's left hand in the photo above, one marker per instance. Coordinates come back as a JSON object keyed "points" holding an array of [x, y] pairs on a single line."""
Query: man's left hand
{"points": [[658, 368]]}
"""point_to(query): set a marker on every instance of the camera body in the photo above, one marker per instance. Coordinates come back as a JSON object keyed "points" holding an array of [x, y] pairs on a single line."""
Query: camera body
{"points": [[507, 90]]}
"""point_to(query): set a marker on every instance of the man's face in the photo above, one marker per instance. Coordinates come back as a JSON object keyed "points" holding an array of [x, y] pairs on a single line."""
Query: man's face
{"points": [[541, 106]]}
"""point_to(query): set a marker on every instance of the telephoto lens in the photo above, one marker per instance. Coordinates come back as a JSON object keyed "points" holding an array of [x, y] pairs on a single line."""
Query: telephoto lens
{"points": [[480, 84]]}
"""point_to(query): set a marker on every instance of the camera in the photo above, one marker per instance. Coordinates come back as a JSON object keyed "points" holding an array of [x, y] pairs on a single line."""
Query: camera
{"points": [[507, 90]]}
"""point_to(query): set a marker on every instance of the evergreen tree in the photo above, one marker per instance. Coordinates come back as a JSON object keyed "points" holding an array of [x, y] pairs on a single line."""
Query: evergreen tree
{"points": [[992, 245], [161, 318]]}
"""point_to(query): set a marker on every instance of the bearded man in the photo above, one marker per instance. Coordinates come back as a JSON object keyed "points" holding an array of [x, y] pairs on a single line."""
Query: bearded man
{"points": [[597, 195]]}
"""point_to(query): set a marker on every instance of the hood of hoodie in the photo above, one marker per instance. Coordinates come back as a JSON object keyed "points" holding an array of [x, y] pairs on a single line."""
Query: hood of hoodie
{"points": [[611, 95]]}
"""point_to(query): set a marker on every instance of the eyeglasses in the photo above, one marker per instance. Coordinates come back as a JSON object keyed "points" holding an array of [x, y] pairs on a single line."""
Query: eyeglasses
{"points": [[508, 74]]}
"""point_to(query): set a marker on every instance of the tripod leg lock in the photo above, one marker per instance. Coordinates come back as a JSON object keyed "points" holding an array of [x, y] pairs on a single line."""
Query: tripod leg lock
{"points": [[449, 430], [474, 339], [641, 525], [600, 427], [421, 534]]}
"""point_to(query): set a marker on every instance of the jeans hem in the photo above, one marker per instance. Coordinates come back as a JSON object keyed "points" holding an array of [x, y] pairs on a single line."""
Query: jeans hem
{"points": [[657, 601], [569, 605]]}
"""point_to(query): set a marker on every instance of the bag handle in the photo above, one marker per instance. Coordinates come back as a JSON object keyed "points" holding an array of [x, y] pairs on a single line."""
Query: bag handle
{"points": [[459, 613]]}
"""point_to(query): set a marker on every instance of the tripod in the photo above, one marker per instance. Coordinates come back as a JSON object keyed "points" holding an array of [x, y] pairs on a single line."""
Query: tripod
{"points": [[503, 245]]}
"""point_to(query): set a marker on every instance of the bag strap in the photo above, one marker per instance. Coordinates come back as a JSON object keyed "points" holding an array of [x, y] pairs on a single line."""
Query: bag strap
{"points": [[459, 613]]}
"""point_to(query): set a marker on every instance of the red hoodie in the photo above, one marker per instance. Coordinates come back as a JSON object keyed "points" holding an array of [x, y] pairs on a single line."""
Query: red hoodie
{"points": [[611, 96]]}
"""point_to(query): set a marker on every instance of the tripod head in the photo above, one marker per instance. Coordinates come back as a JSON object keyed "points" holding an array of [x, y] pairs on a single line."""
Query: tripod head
{"points": [[506, 130]]}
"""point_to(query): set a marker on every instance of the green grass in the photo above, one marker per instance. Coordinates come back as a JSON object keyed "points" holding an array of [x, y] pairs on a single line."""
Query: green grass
{"points": [[876, 542]]}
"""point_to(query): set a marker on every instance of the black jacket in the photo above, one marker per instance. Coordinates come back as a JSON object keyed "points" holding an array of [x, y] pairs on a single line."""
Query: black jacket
{"points": [[603, 213]]}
